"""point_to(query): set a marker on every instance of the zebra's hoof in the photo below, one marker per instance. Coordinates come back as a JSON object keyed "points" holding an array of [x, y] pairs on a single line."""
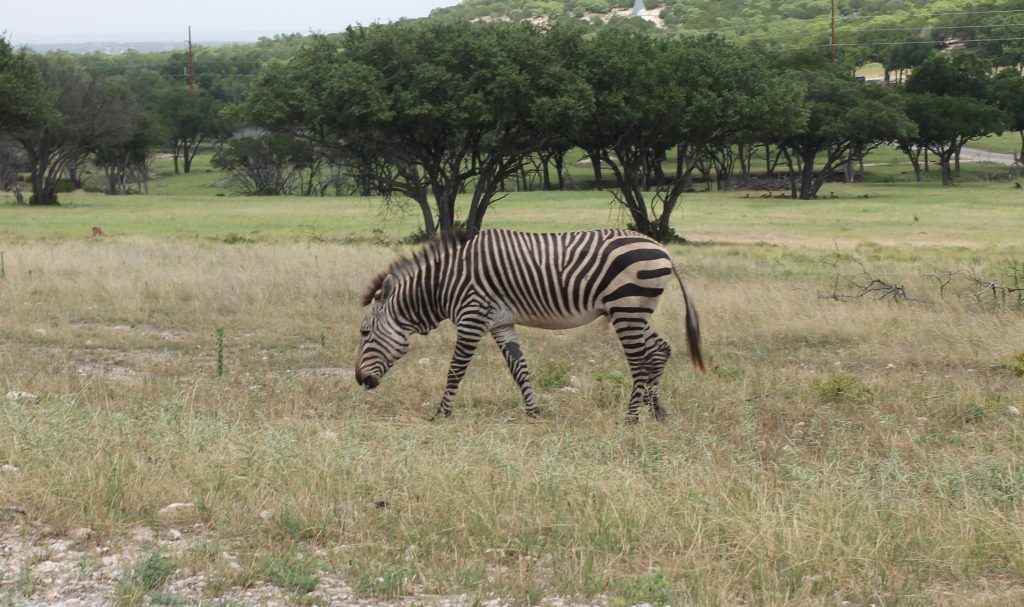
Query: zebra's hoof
{"points": [[440, 414], [534, 413]]}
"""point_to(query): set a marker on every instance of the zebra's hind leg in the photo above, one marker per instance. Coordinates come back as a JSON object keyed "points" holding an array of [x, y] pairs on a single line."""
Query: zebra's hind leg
{"points": [[647, 355], [509, 344], [466, 341], [658, 352]]}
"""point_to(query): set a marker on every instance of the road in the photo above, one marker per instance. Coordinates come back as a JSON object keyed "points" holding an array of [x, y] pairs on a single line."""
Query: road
{"points": [[973, 155]]}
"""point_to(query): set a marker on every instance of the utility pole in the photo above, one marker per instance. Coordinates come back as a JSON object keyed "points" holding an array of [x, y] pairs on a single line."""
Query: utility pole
{"points": [[191, 65], [833, 44]]}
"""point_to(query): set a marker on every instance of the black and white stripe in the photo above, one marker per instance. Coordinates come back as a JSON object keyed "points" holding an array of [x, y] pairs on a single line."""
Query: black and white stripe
{"points": [[503, 278]]}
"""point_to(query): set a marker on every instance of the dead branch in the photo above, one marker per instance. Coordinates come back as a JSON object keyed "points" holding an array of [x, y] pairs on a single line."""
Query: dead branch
{"points": [[846, 286]]}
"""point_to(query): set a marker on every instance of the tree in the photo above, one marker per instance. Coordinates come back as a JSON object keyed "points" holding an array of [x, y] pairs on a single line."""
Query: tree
{"points": [[945, 123], [267, 164], [123, 155], [429, 108], [653, 95], [88, 110], [24, 103], [952, 100], [961, 74], [190, 118], [24, 100], [12, 162], [1008, 90], [845, 117]]}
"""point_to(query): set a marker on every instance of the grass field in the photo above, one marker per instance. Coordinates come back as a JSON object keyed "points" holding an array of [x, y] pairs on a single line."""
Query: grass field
{"points": [[840, 451]]}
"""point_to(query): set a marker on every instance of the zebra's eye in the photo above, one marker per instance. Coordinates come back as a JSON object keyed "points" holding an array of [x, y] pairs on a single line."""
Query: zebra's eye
{"points": [[364, 332]]}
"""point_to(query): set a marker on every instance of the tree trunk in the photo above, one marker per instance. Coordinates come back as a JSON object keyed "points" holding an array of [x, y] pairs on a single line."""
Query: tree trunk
{"points": [[807, 175], [915, 161], [175, 153], [559, 160], [595, 161], [946, 165]]}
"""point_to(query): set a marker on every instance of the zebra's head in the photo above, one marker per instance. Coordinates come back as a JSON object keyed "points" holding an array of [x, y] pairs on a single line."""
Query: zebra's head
{"points": [[383, 341]]}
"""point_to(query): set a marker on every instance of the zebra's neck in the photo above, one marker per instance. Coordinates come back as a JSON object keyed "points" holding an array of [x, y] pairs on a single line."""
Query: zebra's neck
{"points": [[424, 289]]}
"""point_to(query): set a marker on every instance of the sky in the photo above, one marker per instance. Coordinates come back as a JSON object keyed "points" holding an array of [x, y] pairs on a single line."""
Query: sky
{"points": [[52, 21]]}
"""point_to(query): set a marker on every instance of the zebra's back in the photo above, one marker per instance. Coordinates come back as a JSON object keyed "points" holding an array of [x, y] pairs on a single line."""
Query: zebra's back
{"points": [[567, 279]]}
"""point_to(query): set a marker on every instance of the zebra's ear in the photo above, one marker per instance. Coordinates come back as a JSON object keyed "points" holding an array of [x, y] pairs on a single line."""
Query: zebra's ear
{"points": [[386, 288]]}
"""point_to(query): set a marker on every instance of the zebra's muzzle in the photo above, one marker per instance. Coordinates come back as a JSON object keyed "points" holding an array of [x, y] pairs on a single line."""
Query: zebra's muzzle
{"points": [[367, 381]]}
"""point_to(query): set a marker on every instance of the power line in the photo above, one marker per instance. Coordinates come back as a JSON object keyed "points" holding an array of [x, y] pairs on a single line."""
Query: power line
{"points": [[794, 20], [932, 42]]}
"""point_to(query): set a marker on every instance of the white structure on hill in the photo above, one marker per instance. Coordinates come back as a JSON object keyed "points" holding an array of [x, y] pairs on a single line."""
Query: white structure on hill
{"points": [[639, 10]]}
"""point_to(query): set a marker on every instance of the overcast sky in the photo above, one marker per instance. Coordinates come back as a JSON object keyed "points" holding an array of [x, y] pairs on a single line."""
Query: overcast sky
{"points": [[48, 21]]}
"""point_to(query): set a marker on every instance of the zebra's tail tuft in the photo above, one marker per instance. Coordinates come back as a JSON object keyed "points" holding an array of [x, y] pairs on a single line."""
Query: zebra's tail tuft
{"points": [[692, 324]]}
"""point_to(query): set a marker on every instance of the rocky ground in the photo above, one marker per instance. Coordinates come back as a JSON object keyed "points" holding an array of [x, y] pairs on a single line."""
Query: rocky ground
{"points": [[40, 565], [43, 566]]}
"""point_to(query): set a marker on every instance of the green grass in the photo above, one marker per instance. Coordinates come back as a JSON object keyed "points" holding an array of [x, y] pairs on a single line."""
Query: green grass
{"points": [[1007, 143], [837, 450], [922, 214]]}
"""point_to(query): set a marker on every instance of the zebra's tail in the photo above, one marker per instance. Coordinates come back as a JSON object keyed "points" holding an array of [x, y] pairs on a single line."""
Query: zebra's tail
{"points": [[692, 324]]}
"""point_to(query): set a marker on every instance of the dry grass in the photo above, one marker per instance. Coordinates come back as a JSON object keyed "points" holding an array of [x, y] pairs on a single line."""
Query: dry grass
{"points": [[856, 451]]}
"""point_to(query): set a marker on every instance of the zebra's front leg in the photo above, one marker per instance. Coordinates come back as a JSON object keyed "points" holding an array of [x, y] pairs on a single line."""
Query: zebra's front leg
{"points": [[468, 338], [509, 344]]}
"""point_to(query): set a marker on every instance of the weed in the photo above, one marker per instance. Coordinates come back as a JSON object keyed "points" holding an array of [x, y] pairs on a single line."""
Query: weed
{"points": [[653, 589], [293, 572], [220, 351], [840, 388], [1014, 365], [26, 584], [233, 238], [388, 583], [149, 575], [551, 376], [534, 595]]}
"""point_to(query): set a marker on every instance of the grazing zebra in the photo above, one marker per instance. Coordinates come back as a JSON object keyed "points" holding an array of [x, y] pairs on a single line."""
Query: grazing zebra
{"points": [[501, 278]]}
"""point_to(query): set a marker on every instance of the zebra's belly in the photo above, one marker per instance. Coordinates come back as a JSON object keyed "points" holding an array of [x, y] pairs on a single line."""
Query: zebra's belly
{"points": [[561, 322]]}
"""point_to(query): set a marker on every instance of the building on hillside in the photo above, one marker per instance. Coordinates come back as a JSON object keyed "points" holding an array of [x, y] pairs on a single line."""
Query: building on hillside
{"points": [[639, 10]]}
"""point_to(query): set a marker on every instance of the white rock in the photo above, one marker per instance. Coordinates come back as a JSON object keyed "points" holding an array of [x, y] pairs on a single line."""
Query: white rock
{"points": [[82, 534], [143, 535], [890, 366], [172, 535], [178, 512], [1013, 410], [46, 568], [18, 396], [570, 389], [9, 469], [424, 361]]}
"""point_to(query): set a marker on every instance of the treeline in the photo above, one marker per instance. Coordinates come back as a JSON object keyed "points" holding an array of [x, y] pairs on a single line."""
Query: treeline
{"points": [[67, 117], [433, 110], [430, 111]]}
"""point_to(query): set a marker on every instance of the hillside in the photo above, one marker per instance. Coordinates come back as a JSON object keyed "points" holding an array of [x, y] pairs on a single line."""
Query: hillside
{"points": [[994, 26]]}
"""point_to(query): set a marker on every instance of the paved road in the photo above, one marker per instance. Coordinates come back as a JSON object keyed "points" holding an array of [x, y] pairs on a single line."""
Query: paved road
{"points": [[972, 155]]}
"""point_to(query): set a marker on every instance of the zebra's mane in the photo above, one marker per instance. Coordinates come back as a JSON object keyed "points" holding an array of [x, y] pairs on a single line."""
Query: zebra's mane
{"points": [[408, 264]]}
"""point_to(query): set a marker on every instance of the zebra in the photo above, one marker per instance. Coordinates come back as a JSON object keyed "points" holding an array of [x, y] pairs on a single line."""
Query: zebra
{"points": [[498, 279]]}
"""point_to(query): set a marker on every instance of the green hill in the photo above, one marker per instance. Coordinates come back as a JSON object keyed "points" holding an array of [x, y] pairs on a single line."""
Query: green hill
{"points": [[864, 28]]}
